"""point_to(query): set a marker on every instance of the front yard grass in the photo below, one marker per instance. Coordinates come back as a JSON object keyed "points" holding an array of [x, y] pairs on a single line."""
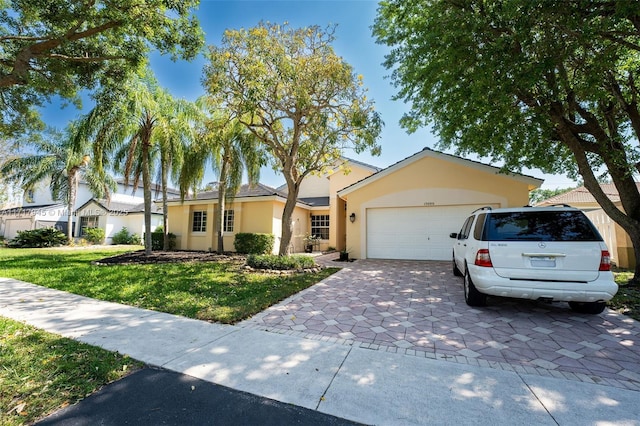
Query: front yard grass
{"points": [[627, 300], [42, 372], [212, 291]]}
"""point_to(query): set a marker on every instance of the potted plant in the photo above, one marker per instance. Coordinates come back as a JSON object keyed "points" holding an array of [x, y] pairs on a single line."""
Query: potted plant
{"points": [[309, 242], [344, 255]]}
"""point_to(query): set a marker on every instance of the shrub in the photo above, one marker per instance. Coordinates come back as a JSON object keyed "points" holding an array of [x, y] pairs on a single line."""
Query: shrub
{"points": [[94, 235], [44, 237], [123, 236], [248, 243], [157, 239], [272, 261]]}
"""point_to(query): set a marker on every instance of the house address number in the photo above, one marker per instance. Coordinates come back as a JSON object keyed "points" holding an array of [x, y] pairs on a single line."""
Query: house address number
{"points": [[429, 204]]}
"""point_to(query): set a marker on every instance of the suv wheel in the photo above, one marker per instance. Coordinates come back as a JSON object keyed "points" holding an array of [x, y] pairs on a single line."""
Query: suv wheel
{"points": [[471, 294], [456, 271], [588, 307]]}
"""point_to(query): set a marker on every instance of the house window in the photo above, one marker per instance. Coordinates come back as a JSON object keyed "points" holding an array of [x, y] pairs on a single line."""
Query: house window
{"points": [[29, 196], [199, 222], [87, 222], [320, 226], [228, 220]]}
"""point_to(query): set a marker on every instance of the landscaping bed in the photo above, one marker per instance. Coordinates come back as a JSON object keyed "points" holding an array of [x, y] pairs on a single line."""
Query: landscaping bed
{"points": [[139, 257]]}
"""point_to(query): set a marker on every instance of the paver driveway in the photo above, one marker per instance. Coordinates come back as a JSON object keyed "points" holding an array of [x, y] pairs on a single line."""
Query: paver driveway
{"points": [[417, 307]]}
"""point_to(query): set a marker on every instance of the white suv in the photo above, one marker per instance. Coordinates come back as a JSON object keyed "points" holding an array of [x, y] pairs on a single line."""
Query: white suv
{"points": [[538, 253]]}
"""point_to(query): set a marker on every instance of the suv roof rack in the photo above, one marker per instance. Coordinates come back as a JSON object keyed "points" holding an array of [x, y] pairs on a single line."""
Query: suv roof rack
{"points": [[560, 205], [482, 208]]}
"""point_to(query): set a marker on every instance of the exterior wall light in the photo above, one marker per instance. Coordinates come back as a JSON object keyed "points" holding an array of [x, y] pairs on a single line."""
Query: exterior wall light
{"points": [[352, 217]]}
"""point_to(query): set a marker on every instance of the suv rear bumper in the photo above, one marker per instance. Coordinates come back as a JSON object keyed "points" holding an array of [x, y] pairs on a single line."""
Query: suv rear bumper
{"points": [[488, 282]]}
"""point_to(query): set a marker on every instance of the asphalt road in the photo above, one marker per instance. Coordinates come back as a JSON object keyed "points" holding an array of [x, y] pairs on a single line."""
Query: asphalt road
{"points": [[160, 397]]}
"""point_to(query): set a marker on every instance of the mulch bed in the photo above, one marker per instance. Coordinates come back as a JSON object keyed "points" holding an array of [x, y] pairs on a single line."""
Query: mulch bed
{"points": [[139, 257]]}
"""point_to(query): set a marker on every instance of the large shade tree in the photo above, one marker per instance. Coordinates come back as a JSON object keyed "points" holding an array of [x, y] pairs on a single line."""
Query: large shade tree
{"points": [[59, 160], [542, 84], [230, 150], [301, 100], [50, 48]]}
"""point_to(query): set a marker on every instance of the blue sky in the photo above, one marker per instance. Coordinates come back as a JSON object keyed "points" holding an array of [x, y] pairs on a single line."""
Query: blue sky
{"points": [[353, 42]]}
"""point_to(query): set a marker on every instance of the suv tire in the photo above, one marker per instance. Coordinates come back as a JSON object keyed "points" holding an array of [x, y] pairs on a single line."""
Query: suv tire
{"points": [[593, 308], [471, 294], [456, 271]]}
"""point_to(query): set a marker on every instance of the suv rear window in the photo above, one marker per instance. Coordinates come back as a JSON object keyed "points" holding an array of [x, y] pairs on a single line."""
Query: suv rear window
{"points": [[540, 226]]}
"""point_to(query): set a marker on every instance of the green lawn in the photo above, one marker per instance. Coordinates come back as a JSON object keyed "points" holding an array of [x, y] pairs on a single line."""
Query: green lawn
{"points": [[213, 291], [627, 300], [42, 372]]}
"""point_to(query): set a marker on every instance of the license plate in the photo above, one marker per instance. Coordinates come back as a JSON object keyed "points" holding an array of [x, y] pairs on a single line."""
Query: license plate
{"points": [[543, 262]]}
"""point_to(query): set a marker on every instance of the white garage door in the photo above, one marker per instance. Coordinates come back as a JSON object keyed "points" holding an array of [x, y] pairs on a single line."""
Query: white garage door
{"points": [[12, 226], [417, 233]]}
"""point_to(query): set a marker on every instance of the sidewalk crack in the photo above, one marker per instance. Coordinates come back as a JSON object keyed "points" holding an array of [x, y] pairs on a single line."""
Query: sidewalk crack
{"points": [[333, 378]]}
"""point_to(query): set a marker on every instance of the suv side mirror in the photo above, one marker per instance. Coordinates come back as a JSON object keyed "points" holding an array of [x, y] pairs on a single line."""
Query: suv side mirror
{"points": [[453, 235]]}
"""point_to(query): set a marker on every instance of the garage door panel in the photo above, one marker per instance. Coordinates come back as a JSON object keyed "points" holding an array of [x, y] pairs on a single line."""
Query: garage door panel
{"points": [[12, 226], [417, 233]]}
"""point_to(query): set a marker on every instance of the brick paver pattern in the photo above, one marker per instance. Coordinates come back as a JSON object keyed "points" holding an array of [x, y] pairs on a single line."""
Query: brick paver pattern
{"points": [[418, 308]]}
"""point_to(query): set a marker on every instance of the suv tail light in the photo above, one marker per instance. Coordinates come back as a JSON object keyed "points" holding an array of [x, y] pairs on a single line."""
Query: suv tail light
{"points": [[483, 258], [605, 261]]}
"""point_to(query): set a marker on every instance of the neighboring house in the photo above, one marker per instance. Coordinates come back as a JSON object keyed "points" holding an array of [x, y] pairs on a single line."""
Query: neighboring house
{"points": [[32, 216], [405, 211], [39, 210], [112, 216], [617, 239]]}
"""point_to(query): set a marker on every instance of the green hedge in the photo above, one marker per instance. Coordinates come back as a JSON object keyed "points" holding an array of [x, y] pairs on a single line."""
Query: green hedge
{"points": [[44, 237], [272, 261], [94, 235], [123, 236], [157, 239], [248, 243]]}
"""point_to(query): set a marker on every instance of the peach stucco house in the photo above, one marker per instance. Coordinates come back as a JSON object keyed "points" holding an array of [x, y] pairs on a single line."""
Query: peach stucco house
{"points": [[258, 209], [405, 211], [617, 239], [408, 210]]}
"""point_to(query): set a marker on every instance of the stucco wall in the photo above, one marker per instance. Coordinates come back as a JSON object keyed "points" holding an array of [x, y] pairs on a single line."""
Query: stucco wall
{"points": [[249, 216], [430, 182]]}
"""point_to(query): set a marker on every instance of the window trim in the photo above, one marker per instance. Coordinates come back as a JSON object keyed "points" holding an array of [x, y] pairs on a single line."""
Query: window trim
{"points": [[229, 218], [202, 222], [321, 218], [89, 219]]}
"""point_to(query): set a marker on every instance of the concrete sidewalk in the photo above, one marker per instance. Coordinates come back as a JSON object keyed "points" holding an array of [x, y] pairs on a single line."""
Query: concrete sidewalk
{"points": [[357, 384]]}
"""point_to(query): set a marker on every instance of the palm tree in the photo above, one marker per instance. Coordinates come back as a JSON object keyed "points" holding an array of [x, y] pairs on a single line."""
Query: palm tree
{"points": [[173, 135], [128, 130], [231, 150], [61, 160]]}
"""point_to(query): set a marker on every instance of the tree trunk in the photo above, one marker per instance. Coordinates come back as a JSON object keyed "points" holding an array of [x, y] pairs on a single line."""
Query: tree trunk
{"points": [[146, 186], [71, 202], [289, 207], [629, 196], [222, 195], [220, 221], [165, 221]]}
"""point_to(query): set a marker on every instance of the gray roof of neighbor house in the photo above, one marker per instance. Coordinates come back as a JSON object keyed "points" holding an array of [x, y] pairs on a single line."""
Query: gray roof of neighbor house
{"points": [[25, 209], [582, 195], [316, 201], [155, 187], [258, 190], [121, 207]]}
